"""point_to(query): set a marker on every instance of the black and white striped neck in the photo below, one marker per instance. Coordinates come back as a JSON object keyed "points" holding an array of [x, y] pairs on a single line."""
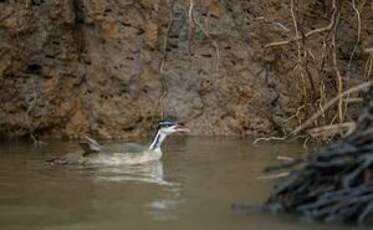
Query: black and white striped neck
{"points": [[159, 137]]}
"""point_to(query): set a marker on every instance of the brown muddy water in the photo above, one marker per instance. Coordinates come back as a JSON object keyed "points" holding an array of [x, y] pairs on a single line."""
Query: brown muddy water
{"points": [[192, 187]]}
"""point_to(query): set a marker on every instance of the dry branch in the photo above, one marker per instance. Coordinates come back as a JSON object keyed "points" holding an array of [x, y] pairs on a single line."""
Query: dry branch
{"points": [[331, 130], [369, 65]]}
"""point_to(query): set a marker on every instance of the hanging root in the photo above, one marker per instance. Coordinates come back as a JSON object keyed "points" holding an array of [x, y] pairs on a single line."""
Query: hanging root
{"points": [[164, 58], [213, 43], [358, 16], [329, 104], [190, 25], [314, 67]]}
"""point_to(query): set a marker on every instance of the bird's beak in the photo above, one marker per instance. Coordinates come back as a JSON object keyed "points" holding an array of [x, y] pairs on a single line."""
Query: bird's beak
{"points": [[181, 128]]}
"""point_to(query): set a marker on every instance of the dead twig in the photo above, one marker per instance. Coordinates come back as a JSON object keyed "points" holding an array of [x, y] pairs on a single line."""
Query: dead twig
{"points": [[257, 140], [274, 176], [329, 130], [285, 158], [353, 100], [278, 24], [369, 65]]}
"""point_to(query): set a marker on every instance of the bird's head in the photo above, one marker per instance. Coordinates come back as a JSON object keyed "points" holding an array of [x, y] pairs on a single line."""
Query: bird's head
{"points": [[170, 126], [165, 128]]}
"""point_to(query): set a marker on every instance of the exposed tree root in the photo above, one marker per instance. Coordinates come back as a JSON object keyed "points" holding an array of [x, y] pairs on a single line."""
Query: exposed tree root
{"points": [[335, 183]]}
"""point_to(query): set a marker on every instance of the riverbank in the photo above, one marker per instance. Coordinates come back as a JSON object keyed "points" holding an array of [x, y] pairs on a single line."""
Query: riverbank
{"points": [[112, 69]]}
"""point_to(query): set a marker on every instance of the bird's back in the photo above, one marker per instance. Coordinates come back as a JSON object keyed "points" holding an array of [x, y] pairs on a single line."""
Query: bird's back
{"points": [[129, 153], [110, 154], [127, 148]]}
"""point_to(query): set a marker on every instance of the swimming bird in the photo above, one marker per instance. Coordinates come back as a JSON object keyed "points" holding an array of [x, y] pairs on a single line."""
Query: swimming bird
{"points": [[128, 153]]}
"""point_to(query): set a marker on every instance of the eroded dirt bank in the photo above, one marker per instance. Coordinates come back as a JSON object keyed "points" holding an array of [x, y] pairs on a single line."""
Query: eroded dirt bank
{"points": [[112, 68]]}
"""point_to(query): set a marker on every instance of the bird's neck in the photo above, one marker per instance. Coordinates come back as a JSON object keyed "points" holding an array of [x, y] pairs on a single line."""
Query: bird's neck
{"points": [[159, 137]]}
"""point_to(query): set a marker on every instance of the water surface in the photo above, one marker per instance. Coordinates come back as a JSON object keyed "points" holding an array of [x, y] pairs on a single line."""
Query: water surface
{"points": [[192, 187]]}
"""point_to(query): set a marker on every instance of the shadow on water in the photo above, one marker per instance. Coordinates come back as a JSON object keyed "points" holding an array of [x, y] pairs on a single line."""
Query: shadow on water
{"points": [[192, 187]]}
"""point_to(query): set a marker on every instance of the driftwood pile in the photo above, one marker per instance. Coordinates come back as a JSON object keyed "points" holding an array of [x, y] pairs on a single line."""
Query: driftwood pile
{"points": [[335, 183]]}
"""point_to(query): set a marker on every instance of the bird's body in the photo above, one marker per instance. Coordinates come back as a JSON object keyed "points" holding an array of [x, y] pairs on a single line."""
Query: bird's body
{"points": [[118, 158], [116, 154]]}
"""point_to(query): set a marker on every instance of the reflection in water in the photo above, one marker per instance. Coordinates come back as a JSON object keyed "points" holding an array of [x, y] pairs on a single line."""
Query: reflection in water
{"points": [[150, 172], [161, 208], [164, 209]]}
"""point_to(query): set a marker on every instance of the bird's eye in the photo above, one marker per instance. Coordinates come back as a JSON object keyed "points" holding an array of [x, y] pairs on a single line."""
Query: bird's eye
{"points": [[167, 124]]}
